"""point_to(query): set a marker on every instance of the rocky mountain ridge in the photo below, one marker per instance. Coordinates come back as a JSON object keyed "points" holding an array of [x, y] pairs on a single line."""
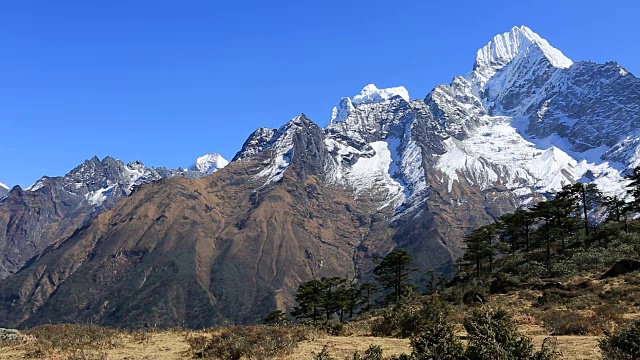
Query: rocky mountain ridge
{"points": [[302, 201], [54, 207]]}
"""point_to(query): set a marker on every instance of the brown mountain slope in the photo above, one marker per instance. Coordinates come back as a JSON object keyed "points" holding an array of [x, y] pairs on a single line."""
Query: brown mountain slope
{"points": [[32, 221], [192, 252]]}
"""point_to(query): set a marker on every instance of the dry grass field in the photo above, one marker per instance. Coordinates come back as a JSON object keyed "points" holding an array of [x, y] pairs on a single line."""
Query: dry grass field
{"points": [[173, 344], [589, 303]]}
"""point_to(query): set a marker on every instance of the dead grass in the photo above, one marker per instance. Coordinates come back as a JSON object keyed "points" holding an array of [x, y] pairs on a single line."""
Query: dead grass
{"points": [[172, 344], [341, 346], [615, 306]]}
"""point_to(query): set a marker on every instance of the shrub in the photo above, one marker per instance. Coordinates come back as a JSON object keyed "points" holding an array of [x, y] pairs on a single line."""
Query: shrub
{"points": [[257, 342], [434, 336], [323, 355], [333, 328], [374, 352], [622, 344], [437, 340], [503, 283], [494, 335], [567, 322], [276, 317], [71, 339], [612, 312], [405, 320], [396, 321]]}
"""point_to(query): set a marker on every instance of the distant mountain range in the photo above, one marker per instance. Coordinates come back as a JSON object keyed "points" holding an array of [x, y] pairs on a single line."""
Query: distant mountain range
{"points": [[54, 207], [127, 245]]}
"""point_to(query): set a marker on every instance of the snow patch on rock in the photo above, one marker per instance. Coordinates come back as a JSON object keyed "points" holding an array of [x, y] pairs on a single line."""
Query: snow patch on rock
{"points": [[371, 94], [36, 186], [497, 154]]}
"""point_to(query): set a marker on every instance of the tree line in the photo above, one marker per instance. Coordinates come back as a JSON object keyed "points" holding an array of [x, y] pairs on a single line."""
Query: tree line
{"points": [[328, 298], [550, 225]]}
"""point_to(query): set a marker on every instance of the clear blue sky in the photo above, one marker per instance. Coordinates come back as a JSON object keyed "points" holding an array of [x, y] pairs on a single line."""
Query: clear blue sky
{"points": [[167, 81]]}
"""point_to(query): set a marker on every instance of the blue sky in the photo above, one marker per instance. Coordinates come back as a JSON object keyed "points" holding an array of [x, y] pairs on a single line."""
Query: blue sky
{"points": [[166, 81]]}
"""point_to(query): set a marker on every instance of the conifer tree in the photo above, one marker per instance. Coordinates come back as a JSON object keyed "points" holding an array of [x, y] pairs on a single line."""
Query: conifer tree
{"points": [[350, 295], [617, 210], [587, 196], [366, 293], [510, 227], [309, 298], [393, 273], [544, 211], [478, 244], [525, 218], [332, 295], [633, 189]]}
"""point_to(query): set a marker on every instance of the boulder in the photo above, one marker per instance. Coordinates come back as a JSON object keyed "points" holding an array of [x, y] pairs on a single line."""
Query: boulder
{"points": [[8, 334], [623, 266]]}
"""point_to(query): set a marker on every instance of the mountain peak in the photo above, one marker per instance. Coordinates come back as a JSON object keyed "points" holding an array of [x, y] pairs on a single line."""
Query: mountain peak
{"points": [[209, 163], [504, 48], [371, 94]]}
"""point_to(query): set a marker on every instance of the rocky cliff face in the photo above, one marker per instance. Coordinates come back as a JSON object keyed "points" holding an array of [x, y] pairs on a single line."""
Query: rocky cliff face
{"points": [[301, 201]]}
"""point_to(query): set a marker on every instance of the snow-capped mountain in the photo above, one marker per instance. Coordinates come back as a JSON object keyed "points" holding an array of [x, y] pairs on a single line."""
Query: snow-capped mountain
{"points": [[526, 119], [524, 122], [386, 171], [4, 189]]}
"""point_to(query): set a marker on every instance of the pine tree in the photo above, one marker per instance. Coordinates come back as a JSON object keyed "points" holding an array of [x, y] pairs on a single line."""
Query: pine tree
{"points": [[332, 295], [393, 273], [565, 210], [525, 218], [479, 246], [309, 298], [587, 197], [633, 188], [352, 297], [544, 211], [366, 293], [618, 210]]}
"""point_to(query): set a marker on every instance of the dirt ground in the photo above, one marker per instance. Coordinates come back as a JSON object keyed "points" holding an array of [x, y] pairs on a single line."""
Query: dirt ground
{"points": [[172, 345]]}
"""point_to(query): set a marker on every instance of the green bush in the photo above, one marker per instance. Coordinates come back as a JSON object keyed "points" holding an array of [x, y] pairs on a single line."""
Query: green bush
{"points": [[434, 336], [493, 335], [624, 344], [396, 321], [374, 352], [404, 321], [436, 340]]}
